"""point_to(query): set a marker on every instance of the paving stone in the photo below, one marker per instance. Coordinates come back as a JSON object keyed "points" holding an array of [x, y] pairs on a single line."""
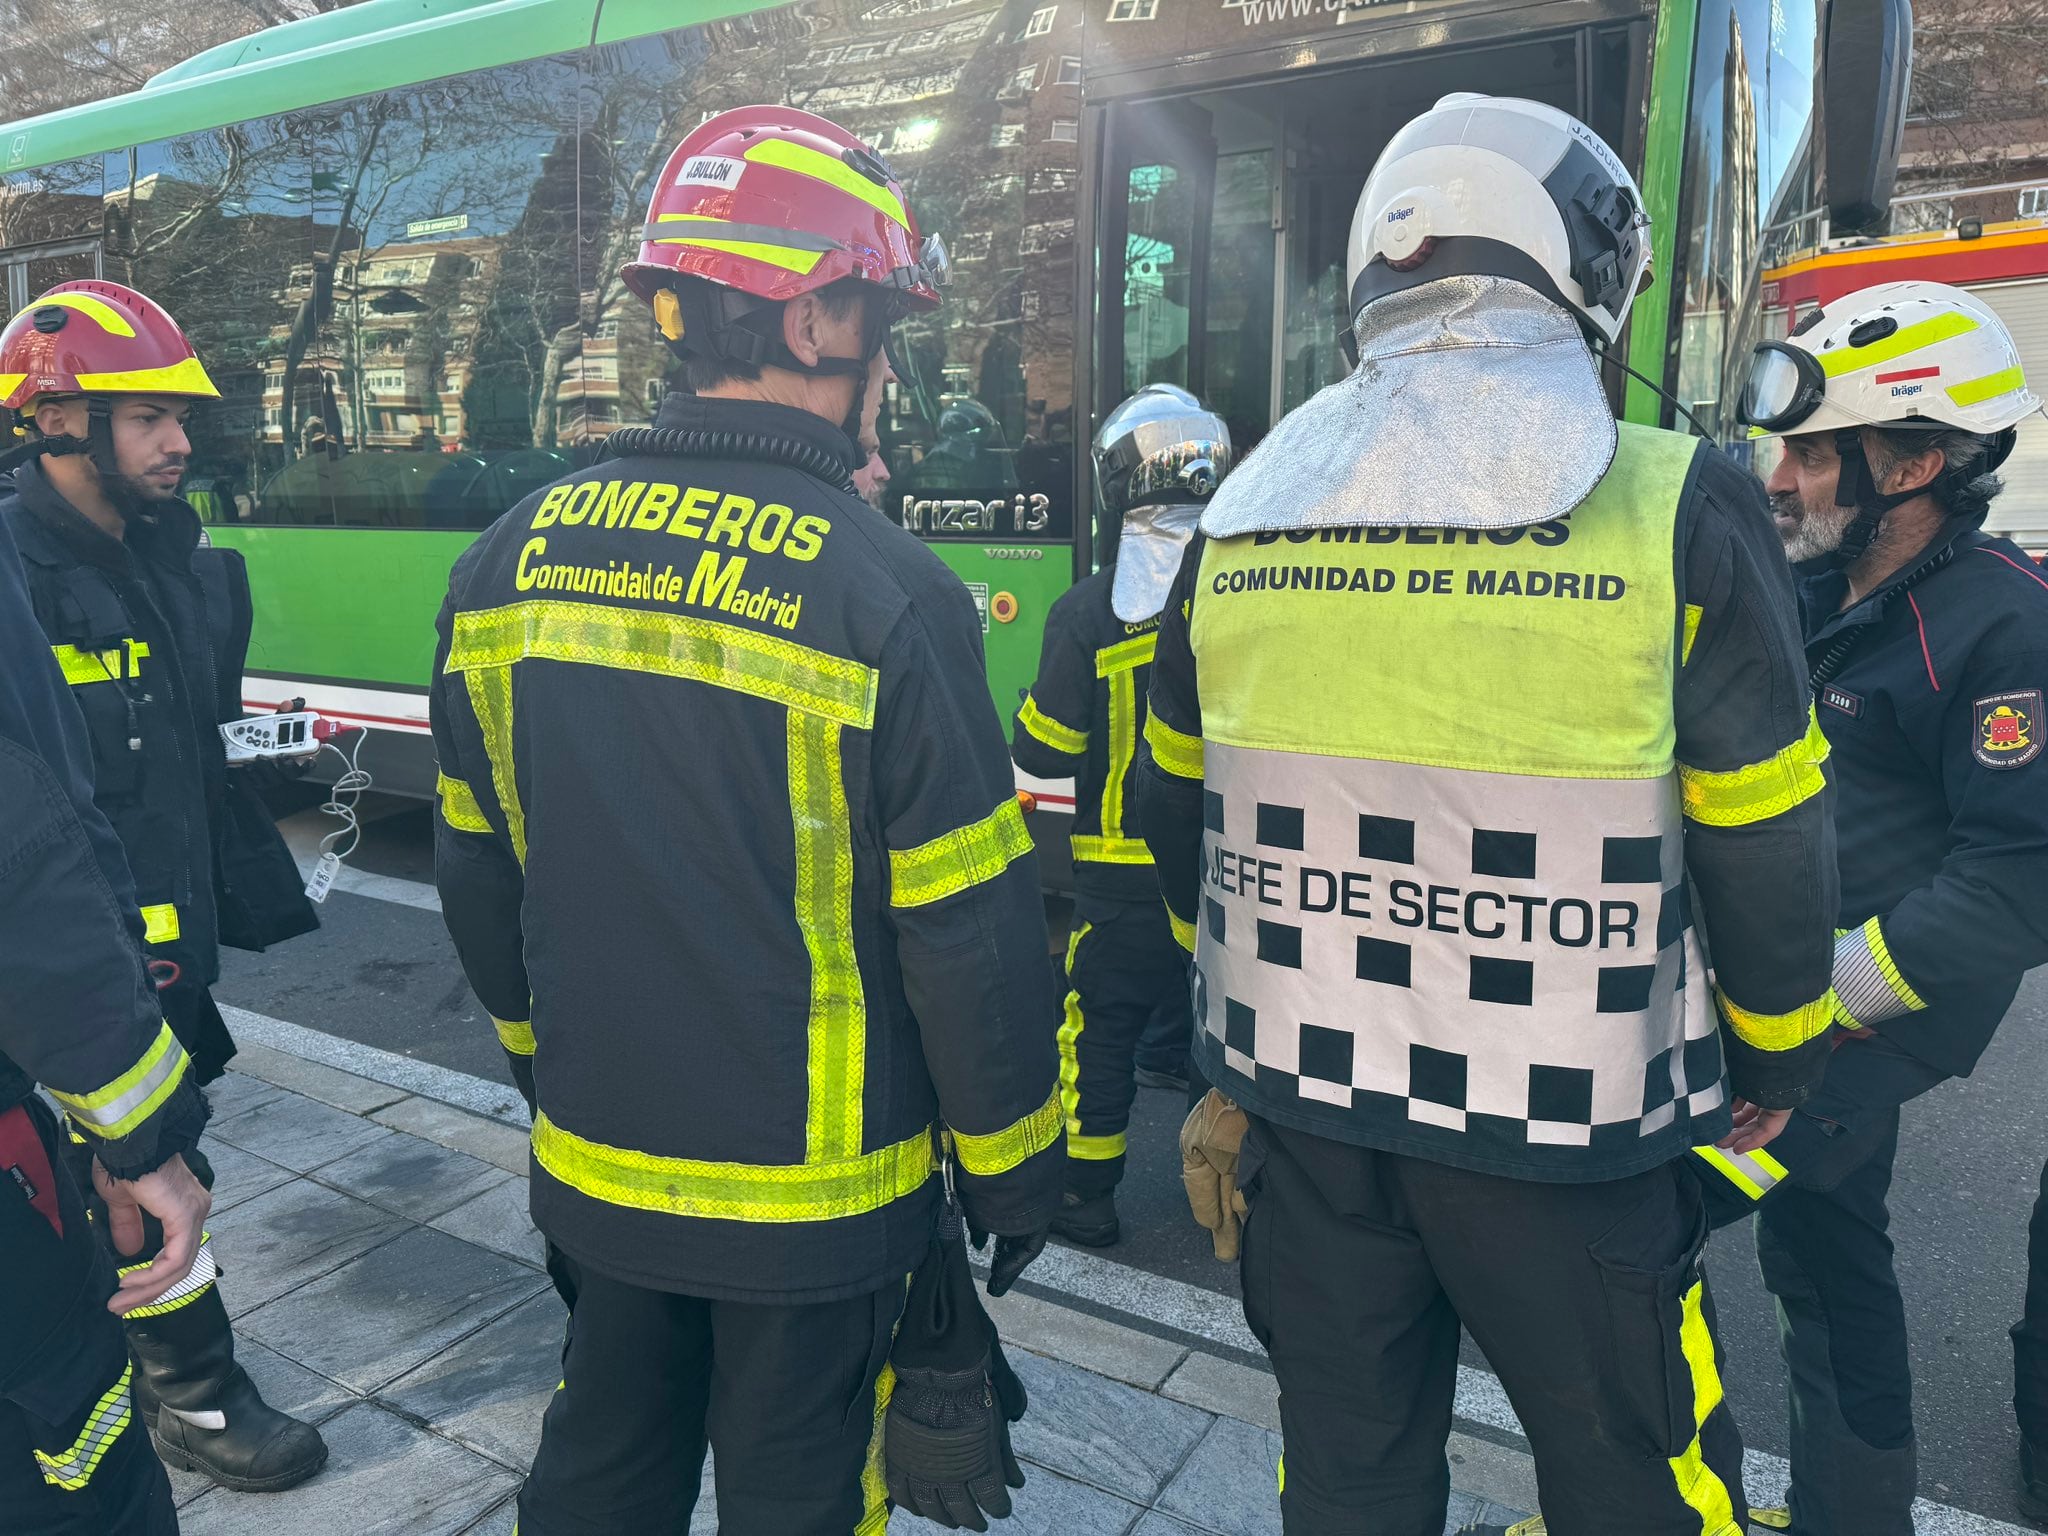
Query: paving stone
{"points": [[1468, 1509], [397, 1306], [383, 1478], [1230, 1484], [1156, 1524], [1047, 1505], [411, 1176], [457, 1129], [490, 1390], [1108, 1349], [314, 1079], [497, 1219], [287, 1236], [297, 1132], [1226, 1387], [1492, 1472], [233, 1092], [499, 1522], [1101, 1431], [239, 1175]]}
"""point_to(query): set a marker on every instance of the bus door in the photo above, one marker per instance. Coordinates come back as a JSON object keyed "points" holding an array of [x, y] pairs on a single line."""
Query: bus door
{"points": [[28, 272], [1224, 215]]}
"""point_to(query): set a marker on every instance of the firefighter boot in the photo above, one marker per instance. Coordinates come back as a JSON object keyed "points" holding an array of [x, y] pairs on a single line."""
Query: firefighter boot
{"points": [[204, 1413], [1089, 1220], [2033, 1481]]}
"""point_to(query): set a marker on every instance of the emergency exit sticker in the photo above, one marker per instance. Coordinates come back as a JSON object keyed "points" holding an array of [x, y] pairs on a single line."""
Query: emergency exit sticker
{"points": [[710, 171], [980, 591]]}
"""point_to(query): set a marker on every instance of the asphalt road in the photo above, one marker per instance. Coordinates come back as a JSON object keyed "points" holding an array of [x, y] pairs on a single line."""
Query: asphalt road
{"points": [[1969, 1165]]}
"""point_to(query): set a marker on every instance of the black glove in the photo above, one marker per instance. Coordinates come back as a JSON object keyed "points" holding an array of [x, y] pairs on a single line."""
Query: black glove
{"points": [[1012, 1254], [947, 1443]]}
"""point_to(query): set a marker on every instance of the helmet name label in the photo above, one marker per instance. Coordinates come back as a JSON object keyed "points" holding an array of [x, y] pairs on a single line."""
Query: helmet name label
{"points": [[710, 171]]}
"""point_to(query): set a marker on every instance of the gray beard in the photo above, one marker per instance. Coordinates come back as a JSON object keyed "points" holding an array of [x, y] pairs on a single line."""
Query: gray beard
{"points": [[1816, 533]]}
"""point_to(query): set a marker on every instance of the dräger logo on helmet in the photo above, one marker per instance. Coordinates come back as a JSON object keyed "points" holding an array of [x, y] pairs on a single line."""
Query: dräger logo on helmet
{"points": [[1396, 215], [710, 171], [1906, 389]]}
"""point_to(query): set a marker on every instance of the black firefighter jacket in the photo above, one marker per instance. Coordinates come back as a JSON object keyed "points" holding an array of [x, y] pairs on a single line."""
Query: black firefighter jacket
{"points": [[730, 849], [77, 1012], [151, 633], [1931, 691]]}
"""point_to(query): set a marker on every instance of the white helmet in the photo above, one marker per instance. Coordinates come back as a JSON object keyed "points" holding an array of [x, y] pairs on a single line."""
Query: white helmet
{"points": [[1507, 188], [1897, 355]]}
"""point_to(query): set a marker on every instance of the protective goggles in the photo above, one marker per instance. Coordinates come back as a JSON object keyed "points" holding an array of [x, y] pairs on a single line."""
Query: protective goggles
{"points": [[932, 269], [1784, 387]]}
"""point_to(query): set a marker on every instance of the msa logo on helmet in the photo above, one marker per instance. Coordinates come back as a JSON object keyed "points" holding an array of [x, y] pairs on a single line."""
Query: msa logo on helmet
{"points": [[711, 171]]}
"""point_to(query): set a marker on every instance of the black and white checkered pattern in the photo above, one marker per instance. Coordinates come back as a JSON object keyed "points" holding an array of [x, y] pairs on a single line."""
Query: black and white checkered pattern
{"points": [[1526, 993]]}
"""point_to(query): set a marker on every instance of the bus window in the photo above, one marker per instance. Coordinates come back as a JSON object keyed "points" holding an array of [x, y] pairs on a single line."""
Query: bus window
{"points": [[446, 375], [1749, 169], [213, 226]]}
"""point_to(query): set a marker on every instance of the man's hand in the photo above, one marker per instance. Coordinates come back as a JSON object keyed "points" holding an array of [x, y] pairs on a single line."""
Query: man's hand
{"points": [[1754, 1127], [179, 1202]]}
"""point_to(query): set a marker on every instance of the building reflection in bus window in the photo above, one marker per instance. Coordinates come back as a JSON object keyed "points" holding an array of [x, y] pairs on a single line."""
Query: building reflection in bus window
{"points": [[1749, 181]]}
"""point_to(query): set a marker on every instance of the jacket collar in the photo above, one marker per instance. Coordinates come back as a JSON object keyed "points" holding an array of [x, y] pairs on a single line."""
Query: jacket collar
{"points": [[1820, 590], [166, 535], [694, 413]]}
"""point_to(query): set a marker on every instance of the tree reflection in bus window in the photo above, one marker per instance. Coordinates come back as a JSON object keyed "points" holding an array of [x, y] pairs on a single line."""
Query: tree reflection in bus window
{"points": [[983, 399]]}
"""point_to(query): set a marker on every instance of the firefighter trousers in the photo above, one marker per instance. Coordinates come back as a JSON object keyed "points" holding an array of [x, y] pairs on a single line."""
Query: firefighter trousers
{"points": [[73, 1459], [790, 1400], [1123, 968], [1823, 1245], [2030, 1333], [1588, 1300]]}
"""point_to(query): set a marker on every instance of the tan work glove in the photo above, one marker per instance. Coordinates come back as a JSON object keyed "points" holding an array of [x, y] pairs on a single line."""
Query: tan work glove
{"points": [[1209, 1143]]}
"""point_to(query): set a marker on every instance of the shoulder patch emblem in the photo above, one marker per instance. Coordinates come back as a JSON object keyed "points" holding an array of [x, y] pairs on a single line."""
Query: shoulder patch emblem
{"points": [[2008, 727]]}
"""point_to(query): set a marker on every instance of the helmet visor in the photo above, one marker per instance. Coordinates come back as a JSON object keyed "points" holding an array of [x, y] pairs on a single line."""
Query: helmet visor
{"points": [[1784, 387]]}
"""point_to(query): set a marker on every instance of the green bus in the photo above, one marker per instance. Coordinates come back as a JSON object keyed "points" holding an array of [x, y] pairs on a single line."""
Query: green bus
{"points": [[394, 232]]}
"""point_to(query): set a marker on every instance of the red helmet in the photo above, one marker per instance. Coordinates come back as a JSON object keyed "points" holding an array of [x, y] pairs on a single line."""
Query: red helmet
{"points": [[773, 203], [94, 338]]}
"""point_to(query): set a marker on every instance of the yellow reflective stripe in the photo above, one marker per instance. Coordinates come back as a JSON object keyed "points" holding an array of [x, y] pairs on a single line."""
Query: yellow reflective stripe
{"points": [[1126, 655], [1005, 1149], [1759, 791], [131, 1098], [1873, 935], [1123, 747], [197, 1282], [1111, 850], [956, 860], [1061, 738], [668, 645], [1071, 1025], [110, 1415], [181, 378], [838, 1031], [806, 161], [490, 697], [1698, 1484], [874, 1477], [9, 383], [682, 1186], [1183, 930], [1177, 752], [105, 666], [516, 1035], [1779, 1031], [1868, 985], [110, 319], [1977, 391], [458, 806], [1693, 614], [1754, 1173], [1097, 1149], [1911, 338], [159, 923]]}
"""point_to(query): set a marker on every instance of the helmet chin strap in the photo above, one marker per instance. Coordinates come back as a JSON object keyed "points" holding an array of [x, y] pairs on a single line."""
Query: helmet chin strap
{"points": [[97, 445], [720, 315], [1856, 487]]}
